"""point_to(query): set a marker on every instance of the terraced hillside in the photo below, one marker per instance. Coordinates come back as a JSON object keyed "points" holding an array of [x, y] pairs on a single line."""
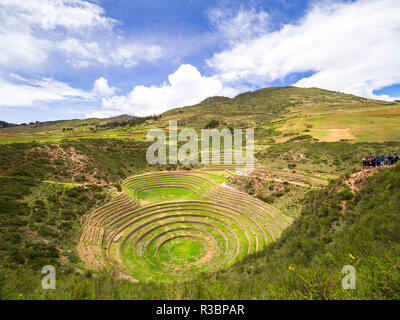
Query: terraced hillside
{"points": [[172, 225]]}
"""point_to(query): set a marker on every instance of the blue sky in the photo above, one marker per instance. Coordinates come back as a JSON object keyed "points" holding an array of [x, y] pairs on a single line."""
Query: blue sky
{"points": [[64, 59]]}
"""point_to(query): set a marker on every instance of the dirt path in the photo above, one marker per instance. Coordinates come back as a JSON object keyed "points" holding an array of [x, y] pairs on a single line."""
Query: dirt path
{"points": [[287, 177], [293, 175], [228, 187], [59, 182], [353, 182], [76, 184], [288, 181]]}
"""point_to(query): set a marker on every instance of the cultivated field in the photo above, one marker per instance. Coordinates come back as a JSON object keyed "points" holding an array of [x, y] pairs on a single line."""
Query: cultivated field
{"points": [[171, 226], [362, 121]]}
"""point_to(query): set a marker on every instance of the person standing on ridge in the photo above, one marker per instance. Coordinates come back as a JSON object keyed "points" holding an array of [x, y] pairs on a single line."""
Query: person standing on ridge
{"points": [[364, 161]]}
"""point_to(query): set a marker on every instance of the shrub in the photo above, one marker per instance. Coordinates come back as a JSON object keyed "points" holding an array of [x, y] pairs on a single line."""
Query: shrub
{"points": [[265, 198], [277, 194], [346, 194], [212, 124]]}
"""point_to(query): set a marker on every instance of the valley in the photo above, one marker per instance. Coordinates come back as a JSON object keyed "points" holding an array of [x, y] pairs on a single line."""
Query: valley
{"points": [[81, 196]]}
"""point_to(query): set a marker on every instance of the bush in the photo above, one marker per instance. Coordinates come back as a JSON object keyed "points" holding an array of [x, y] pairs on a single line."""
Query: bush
{"points": [[277, 194], [346, 194], [265, 198], [212, 124]]}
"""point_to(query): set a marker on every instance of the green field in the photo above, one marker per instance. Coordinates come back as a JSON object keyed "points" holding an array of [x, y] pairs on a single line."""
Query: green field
{"points": [[358, 122], [166, 195]]}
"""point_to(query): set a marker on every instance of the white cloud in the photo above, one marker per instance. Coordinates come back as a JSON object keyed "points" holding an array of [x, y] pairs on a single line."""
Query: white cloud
{"points": [[83, 54], [22, 50], [350, 47], [20, 92], [102, 114], [27, 29], [30, 92], [128, 55], [76, 15], [35, 31], [186, 86], [236, 26], [101, 88]]}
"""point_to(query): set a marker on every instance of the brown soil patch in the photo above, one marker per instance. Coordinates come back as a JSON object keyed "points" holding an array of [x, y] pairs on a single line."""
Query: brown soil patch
{"points": [[144, 202], [75, 163], [332, 135], [281, 139], [210, 251], [354, 181]]}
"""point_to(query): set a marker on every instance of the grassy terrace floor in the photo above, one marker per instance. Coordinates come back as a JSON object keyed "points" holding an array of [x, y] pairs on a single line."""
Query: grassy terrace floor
{"points": [[171, 226]]}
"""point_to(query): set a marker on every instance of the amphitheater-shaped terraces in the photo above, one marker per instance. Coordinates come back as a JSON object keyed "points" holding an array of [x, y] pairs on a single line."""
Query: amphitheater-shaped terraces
{"points": [[171, 225]]}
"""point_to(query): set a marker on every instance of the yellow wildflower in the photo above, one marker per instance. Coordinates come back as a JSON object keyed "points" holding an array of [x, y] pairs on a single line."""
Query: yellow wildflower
{"points": [[291, 268], [351, 256]]}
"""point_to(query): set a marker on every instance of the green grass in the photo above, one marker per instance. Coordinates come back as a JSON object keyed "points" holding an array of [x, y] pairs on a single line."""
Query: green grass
{"points": [[212, 177], [166, 195], [182, 251], [39, 221]]}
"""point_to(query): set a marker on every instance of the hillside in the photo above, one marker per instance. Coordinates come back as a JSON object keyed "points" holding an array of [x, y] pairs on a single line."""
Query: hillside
{"points": [[281, 113], [80, 195], [113, 127], [4, 124], [277, 113], [305, 263]]}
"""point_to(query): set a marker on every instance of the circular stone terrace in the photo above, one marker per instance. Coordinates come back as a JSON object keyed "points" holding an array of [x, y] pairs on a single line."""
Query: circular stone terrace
{"points": [[171, 225]]}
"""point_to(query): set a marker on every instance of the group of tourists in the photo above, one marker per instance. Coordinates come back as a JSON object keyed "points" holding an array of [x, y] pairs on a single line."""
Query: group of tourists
{"points": [[377, 161]]}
